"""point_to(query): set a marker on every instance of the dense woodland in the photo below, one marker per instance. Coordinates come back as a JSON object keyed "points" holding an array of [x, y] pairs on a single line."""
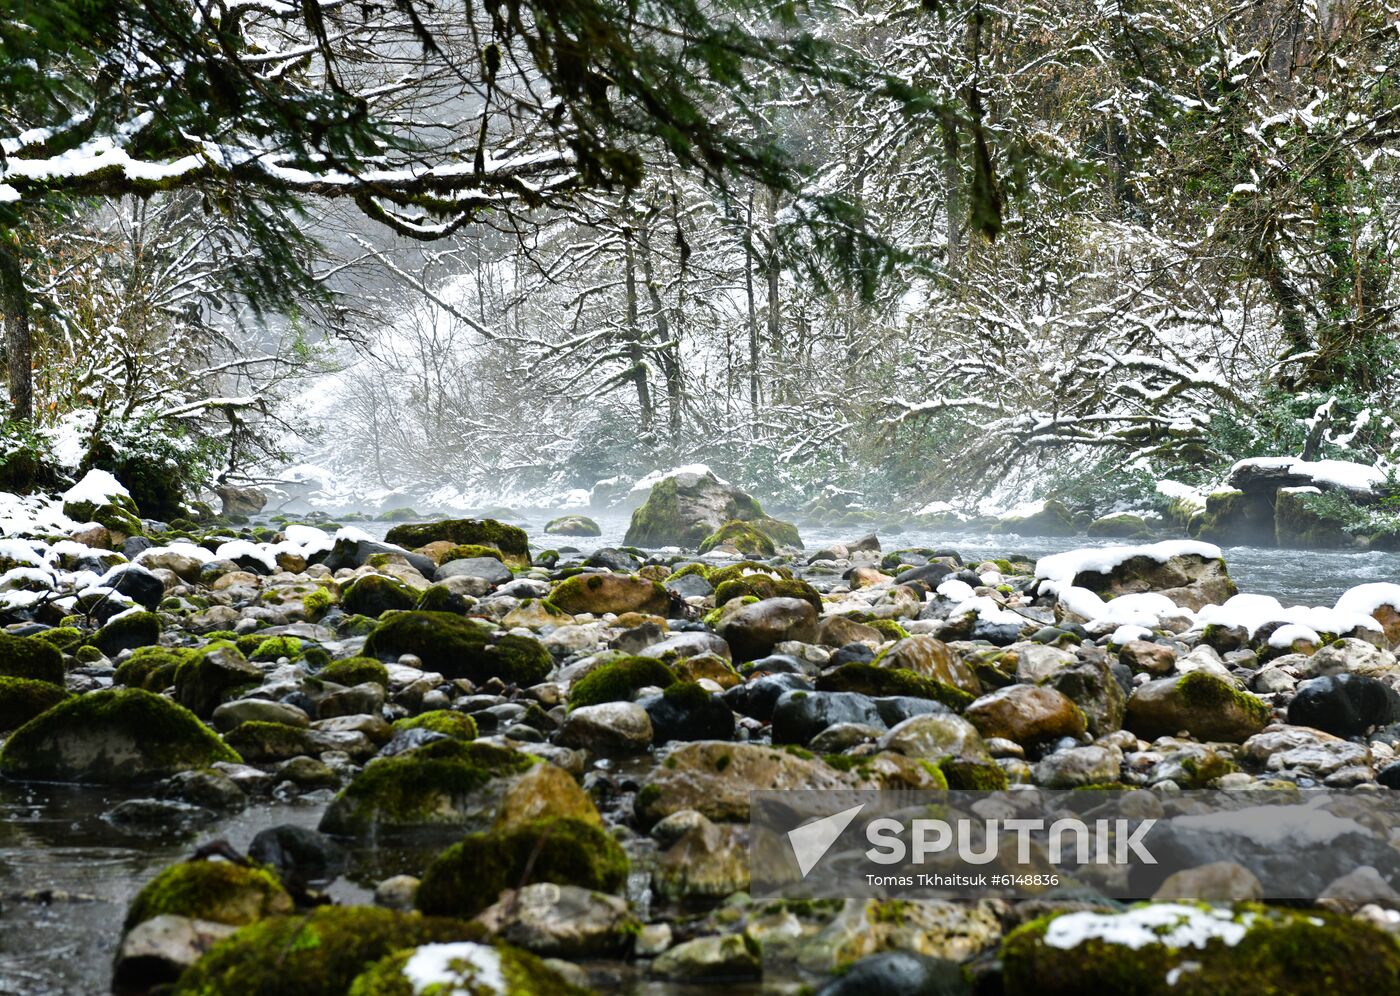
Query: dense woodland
{"points": [[910, 251]]}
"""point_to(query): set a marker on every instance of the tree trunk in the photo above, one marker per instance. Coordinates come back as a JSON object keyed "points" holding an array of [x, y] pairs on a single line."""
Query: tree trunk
{"points": [[749, 262], [634, 333], [952, 184], [19, 347], [775, 337], [670, 349]]}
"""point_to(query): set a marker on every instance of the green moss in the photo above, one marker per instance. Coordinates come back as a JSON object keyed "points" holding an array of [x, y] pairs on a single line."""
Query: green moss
{"points": [[318, 954], [397, 515], [521, 973], [1205, 692], [1283, 952], [420, 789], [275, 647], [745, 568], [687, 694], [220, 891], [470, 551], [573, 525], [742, 536], [65, 638], [205, 679], [444, 721], [111, 737], [762, 586], [263, 743], [29, 657], [467, 877], [871, 679], [703, 570], [117, 520], [21, 699], [152, 668], [511, 541], [317, 603], [355, 671], [438, 598], [376, 594], [976, 776], [889, 629], [461, 648], [619, 680], [599, 593]]}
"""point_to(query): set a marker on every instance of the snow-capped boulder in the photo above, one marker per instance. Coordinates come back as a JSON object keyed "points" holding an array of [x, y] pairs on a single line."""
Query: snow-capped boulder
{"points": [[1190, 574]]}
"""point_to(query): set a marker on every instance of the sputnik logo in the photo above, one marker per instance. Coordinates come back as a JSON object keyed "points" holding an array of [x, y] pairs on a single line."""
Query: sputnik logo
{"points": [[811, 841]]}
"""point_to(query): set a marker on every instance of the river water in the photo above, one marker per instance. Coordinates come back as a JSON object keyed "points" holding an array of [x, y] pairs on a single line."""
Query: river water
{"points": [[67, 875]]}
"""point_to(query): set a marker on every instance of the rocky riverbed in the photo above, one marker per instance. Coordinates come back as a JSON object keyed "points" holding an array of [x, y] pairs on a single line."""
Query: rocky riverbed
{"points": [[453, 760]]}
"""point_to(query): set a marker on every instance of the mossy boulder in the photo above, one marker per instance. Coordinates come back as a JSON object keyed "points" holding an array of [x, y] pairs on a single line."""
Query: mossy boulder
{"points": [[1201, 704], [1053, 519], [463, 968], [273, 648], [446, 784], [1179, 949], [763, 586], [1123, 525], [30, 657], [457, 725], [221, 891], [375, 594], [619, 593], [511, 541], [869, 679], [319, 954], [468, 877], [741, 536], [203, 681], [618, 681], [268, 741], [21, 699], [469, 551], [685, 508], [127, 632], [573, 525], [152, 668], [355, 671], [460, 648], [65, 638], [111, 737], [1235, 517], [1303, 518]]}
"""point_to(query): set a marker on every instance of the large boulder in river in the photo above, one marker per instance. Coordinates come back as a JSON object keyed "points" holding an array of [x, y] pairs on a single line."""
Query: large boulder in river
{"points": [[687, 508], [510, 540], [1190, 574], [111, 737]]}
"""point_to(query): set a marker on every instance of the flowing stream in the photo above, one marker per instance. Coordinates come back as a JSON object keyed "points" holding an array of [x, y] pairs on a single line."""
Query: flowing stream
{"points": [[67, 875]]}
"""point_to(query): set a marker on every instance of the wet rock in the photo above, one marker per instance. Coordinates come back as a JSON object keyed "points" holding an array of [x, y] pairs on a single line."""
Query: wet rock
{"points": [[799, 716], [203, 682], [931, 928], [899, 973], [1346, 705], [688, 586], [716, 957], [1152, 658], [602, 593], [710, 861], [1206, 707], [209, 788], [562, 921], [230, 714], [298, 853], [1027, 714], [573, 525], [1079, 766], [1091, 685], [397, 892], [930, 657], [755, 629], [686, 711], [1192, 580], [683, 509], [607, 727], [488, 569], [158, 817], [156, 951], [138, 584]]}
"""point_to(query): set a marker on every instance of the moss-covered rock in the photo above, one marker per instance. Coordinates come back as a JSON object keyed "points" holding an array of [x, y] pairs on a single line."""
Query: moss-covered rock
{"points": [[1303, 517], [466, 968], [355, 671], [470, 551], [467, 877], [111, 737], [318, 954], [221, 891], [1124, 525], [127, 632], [30, 657], [316, 604], [741, 536], [1235, 518], [267, 742], [375, 594], [458, 725], [511, 541], [66, 638], [274, 647], [1205, 706], [618, 681], [619, 593], [21, 699], [1053, 519], [206, 679], [745, 568], [152, 668], [444, 784], [869, 679], [763, 586], [460, 648], [685, 508], [573, 525], [1176, 949]]}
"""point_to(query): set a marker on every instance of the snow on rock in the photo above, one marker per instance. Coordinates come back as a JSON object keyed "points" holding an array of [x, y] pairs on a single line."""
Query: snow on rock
{"points": [[32, 515], [1365, 599], [1175, 925], [1061, 568], [988, 610], [97, 487], [1285, 636], [234, 549], [476, 964], [651, 480], [1255, 611], [955, 589], [20, 552], [1355, 477]]}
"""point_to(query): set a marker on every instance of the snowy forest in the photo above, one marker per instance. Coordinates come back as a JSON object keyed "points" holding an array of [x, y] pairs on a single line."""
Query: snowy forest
{"points": [[901, 253]]}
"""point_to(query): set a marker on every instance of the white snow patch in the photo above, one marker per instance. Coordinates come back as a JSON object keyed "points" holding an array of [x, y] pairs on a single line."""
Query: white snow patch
{"points": [[1367, 598], [1285, 636], [1062, 567], [97, 487], [478, 971], [1337, 473], [657, 476], [1171, 924]]}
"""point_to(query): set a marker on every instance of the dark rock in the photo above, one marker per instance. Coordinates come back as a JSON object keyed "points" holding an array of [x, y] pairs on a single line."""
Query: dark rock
{"points": [[1346, 705], [612, 559], [757, 697], [298, 852], [487, 568], [138, 584], [798, 716], [688, 712], [689, 586], [899, 973]]}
